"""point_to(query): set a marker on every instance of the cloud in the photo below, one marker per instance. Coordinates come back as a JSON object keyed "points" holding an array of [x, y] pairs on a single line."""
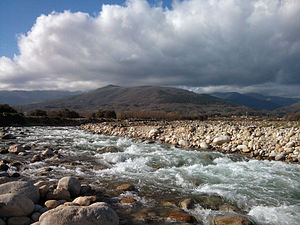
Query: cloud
{"points": [[196, 43]]}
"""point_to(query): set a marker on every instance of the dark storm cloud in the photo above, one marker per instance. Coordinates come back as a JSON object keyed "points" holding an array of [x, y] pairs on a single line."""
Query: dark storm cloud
{"points": [[232, 43]]}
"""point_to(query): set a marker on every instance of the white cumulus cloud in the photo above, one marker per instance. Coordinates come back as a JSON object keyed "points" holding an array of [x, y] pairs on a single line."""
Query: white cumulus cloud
{"points": [[196, 43]]}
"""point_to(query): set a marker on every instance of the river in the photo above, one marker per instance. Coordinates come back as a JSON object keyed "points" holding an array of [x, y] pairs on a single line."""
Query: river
{"points": [[267, 191]]}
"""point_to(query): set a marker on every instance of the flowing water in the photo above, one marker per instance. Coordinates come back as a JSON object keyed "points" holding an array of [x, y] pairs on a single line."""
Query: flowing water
{"points": [[267, 191]]}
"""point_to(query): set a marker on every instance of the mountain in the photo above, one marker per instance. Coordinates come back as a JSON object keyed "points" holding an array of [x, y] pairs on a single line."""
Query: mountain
{"points": [[256, 101], [294, 108], [142, 99], [26, 97]]}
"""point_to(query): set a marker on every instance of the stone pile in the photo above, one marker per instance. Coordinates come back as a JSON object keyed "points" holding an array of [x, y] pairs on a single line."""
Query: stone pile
{"points": [[43, 203], [257, 139]]}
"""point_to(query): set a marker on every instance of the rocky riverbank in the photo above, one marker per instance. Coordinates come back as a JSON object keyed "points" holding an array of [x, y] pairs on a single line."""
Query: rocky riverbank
{"points": [[47, 198], [278, 140]]}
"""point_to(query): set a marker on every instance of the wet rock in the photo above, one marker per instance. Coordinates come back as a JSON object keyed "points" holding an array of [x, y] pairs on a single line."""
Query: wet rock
{"points": [[210, 201], [187, 203], [108, 149], [127, 201], [3, 150], [228, 208], [126, 187], [181, 216], [15, 149], [7, 136], [22, 188], [231, 219], [95, 214], [15, 205], [71, 184], [36, 158], [47, 153], [85, 200], [3, 166], [18, 221], [221, 140]]}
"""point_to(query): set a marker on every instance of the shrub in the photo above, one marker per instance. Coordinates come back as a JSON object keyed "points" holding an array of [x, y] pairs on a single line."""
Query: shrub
{"points": [[64, 113], [109, 114], [5, 108], [37, 112]]}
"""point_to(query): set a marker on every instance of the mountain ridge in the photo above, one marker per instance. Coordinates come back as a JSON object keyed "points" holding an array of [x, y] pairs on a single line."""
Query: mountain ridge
{"points": [[145, 98]]}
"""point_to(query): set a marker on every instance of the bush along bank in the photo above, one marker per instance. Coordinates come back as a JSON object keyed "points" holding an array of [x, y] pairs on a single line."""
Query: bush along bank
{"points": [[278, 141]]}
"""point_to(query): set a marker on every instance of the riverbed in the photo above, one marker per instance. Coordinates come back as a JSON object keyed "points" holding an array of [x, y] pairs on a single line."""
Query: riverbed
{"points": [[266, 191]]}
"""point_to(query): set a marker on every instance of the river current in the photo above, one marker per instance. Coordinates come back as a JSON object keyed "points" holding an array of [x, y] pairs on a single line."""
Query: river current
{"points": [[268, 191]]}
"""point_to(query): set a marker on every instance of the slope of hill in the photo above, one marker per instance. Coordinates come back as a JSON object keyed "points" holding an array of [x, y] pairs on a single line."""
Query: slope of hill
{"points": [[26, 97], [143, 99], [256, 101], [294, 108]]}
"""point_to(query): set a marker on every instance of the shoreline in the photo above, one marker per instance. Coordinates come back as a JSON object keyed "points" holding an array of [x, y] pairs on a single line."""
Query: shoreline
{"points": [[262, 140]]}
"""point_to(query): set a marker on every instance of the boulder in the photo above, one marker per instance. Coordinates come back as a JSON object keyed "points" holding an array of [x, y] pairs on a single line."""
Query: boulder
{"points": [[231, 219], [18, 221], [187, 203], [22, 188], [51, 204], [204, 145], [15, 205], [59, 194], [47, 153], [126, 187], [183, 143], [95, 214], [15, 149], [221, 140], [85, 200], [279, 157], [71, 184]]}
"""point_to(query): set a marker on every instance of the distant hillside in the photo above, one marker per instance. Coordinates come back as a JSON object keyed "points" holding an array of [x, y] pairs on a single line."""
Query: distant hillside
{"points": [[256, 101], [295, 108], [143, 99], [26, 97]]}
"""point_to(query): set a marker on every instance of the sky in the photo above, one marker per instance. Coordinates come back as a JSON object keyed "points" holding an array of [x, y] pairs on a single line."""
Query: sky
{"points": [[201, 45]]}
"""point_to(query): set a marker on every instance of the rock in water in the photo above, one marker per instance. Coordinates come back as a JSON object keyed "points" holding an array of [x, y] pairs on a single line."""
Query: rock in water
{"points": [[21, 188], [15, 205], [71, 184], [232, 219], [95, 214]]}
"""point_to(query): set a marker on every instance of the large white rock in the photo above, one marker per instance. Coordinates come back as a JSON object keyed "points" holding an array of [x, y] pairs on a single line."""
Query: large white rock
{"points": [[96, 214], [221, 140]]}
